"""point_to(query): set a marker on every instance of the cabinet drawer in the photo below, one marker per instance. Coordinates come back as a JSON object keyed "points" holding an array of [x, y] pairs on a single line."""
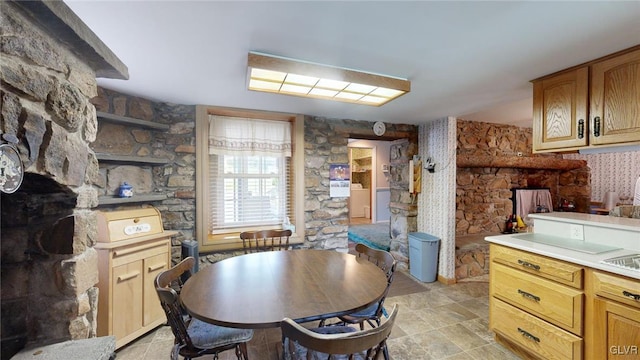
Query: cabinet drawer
{"points": [[533, 334], [624, 290], [560, 271], [556, 303]]}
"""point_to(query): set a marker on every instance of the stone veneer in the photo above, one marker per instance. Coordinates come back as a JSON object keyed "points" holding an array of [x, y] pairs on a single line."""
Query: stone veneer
{"points": [[326, 218], [50, 60], [175, 179], [483, 195]]}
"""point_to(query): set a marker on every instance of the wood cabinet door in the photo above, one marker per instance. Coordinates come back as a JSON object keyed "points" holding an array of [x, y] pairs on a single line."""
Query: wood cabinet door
{"points": [[615, 100], [127, 299], [153, 266], [618, 331], [560, 105]]}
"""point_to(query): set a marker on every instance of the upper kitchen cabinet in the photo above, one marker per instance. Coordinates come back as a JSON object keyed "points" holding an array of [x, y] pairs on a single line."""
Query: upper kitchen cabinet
{"points": [[560, 106], [615, 100], [591, 105]]}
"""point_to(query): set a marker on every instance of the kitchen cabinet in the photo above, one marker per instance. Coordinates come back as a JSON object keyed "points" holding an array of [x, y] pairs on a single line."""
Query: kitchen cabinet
{"points": [[132, 250], [616, 316], [591, 105], [536, 304]]}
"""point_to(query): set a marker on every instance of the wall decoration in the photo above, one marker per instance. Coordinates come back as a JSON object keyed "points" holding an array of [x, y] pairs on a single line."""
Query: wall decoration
{"points": [[339, 180]]}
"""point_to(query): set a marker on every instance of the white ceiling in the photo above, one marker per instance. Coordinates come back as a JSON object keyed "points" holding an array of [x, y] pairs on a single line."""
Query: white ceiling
{"points": [[473, 60]]}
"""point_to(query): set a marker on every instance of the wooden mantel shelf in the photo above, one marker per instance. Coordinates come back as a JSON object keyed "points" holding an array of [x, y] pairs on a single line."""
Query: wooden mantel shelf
{"points": [[518, 162]]}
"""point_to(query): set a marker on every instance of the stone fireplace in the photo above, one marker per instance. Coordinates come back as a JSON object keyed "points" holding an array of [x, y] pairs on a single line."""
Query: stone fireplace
{"points": [[49, 64]]}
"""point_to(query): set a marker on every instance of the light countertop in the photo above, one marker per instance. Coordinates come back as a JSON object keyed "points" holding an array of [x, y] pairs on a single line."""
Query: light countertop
{"points": [[604, 221], [591, 260]]}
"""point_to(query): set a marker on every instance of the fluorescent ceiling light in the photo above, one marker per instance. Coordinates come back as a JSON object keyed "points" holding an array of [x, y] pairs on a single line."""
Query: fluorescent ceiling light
{"points": [[281, 75]]}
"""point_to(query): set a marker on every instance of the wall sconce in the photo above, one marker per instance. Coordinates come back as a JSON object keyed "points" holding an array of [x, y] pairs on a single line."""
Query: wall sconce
{"points": [[430, 166]]}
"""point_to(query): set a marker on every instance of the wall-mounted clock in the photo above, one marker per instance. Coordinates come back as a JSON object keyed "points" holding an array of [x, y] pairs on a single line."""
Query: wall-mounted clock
{"points": [[11, 169], [379, 128]]}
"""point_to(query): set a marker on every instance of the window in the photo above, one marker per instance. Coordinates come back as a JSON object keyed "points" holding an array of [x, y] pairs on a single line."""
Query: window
{"points": [[246, 176]]}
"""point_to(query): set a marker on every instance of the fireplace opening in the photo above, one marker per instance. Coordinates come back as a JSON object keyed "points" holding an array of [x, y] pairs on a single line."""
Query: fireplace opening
{"points": [[39, 303]]}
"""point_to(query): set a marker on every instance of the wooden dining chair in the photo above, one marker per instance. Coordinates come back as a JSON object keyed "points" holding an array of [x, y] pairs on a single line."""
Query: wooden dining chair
{"points": [[300, 343], [194, 338], [372, 314], [265, 240]]}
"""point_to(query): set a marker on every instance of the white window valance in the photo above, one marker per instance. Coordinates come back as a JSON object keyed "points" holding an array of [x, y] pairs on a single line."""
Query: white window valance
{"points": [[244, 136]]}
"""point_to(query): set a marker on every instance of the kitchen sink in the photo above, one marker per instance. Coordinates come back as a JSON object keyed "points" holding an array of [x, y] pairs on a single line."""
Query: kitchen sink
{"points": [[629, 262]]}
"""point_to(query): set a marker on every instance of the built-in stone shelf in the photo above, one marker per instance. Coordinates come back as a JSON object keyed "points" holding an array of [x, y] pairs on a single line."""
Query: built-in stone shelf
{"points": [[131, 159], [114, 200], [123, 120], [519, 162]]}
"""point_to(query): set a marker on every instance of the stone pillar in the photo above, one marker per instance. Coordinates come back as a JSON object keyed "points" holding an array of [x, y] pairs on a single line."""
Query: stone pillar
{"points": [[403, 205]]}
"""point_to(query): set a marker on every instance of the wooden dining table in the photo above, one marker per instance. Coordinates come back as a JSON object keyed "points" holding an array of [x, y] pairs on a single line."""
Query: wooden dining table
{"points": [[258, 290]]}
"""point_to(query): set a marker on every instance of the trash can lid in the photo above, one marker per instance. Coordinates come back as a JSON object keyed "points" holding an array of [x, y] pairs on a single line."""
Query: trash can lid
{"points": [[423, 236]]}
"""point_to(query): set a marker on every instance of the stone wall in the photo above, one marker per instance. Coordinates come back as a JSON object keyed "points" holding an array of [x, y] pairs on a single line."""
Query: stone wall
{"points": [[326, 221], [326, 218], [49, 265], [483, 195], [175, 179]]}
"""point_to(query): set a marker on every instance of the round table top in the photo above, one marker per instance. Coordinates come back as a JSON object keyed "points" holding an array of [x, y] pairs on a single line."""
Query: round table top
{"points": [[259, 290]]}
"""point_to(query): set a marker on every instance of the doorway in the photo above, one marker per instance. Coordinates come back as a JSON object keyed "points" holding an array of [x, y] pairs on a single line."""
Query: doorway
{"points": [[371, 160], [362, 183]]}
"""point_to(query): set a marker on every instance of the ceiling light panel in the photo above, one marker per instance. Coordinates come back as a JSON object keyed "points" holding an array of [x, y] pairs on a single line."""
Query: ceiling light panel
{"points": [[275, 74]]}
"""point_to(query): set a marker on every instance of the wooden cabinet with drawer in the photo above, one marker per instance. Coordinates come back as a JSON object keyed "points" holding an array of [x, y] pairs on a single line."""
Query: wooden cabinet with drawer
{"points": [[132, 249], [536, 303], [616, 316]]}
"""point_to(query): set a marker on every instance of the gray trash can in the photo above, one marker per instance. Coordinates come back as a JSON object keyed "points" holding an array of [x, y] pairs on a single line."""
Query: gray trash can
{"points": [[423, 256]]}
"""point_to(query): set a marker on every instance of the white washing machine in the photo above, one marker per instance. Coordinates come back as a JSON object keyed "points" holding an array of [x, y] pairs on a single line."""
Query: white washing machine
{"points": [[360, 201]]}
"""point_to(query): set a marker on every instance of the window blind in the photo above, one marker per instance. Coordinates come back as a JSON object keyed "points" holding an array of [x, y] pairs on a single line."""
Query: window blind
{"points": [[250, 179]]}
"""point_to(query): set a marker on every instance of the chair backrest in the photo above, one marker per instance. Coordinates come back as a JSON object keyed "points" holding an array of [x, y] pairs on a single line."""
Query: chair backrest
{"points": [[168, 283], [265, 240], [372, 341], [383, 259]]}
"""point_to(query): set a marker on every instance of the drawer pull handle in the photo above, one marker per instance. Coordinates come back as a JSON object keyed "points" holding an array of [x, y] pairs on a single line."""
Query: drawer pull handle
{"points": [[635, 297], [157, 267], [596, 126], [528, 335], [529, 296], [128, 276], [529, 265]]}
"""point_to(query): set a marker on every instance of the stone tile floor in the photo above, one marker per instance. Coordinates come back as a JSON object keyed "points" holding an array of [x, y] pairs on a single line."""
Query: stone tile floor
{"points": [[441, 322]]}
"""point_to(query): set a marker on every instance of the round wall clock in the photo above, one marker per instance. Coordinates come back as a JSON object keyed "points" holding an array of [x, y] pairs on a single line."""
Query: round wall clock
{"points": [[379, 128], [11, 169]]}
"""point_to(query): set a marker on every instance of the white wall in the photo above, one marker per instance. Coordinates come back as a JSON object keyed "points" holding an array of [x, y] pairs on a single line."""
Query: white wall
{"points": [[617, 171], [437, 200]]}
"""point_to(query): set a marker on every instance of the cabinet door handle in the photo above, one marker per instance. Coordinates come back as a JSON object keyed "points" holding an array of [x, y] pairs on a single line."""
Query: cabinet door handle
{"points": [[580, 128], [596, 126], [529, 265], [157, 267], [635, 297], [529, 295], [529, 335], [128, 276]]}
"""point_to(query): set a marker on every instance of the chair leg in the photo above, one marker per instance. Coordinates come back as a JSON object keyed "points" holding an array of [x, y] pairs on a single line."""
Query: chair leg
{"points": [[385, 352], [241, 351]]}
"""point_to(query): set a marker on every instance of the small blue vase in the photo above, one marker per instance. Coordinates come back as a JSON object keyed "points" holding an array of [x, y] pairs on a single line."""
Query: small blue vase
{"points": [[125, 190]]}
